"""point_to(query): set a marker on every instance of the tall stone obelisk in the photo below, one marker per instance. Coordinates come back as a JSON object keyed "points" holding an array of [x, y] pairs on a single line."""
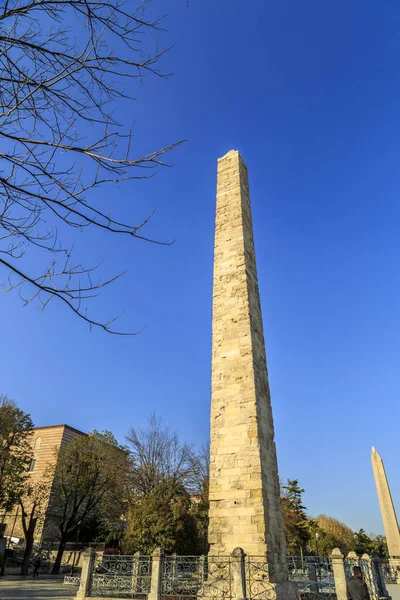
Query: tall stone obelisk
{"points": [[245, 507], [389, 518]]}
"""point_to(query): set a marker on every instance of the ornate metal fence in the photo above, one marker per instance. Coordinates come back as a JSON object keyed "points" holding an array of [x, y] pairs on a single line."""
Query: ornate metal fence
{"points": [[370, 573], [221, 577], [390, 572], [313, 577], [122, 576], [181, 576], [258, 586], [191, 576]]}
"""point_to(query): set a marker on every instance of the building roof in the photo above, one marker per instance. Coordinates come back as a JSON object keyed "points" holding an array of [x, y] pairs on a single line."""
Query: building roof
{"points": [[58, 426]]}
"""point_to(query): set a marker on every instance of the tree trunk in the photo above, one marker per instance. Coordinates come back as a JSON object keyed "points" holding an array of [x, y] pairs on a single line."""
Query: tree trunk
{"points": [[27, 554], [56, 567]]}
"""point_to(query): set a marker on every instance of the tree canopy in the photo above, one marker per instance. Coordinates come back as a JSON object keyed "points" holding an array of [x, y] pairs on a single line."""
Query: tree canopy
{"points": [[374, 545], [166, 472], [15, 452], [162, 519], [91, 480], [298, 527], [333, 534]]}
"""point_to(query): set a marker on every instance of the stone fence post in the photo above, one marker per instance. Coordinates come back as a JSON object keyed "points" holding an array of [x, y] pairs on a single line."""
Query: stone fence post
{"points": [[202, 569], [135, 573], [238, 574], [174, 566], [156, 574], [369, 577], [352, 556], [339, 574], [85, 586]]}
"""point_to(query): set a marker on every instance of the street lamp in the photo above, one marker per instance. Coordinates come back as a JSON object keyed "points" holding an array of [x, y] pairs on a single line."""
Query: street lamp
{"points": [[316, 550]]}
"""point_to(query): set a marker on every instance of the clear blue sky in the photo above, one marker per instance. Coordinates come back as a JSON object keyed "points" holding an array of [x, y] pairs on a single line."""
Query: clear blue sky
{"points": [[309, 92]]}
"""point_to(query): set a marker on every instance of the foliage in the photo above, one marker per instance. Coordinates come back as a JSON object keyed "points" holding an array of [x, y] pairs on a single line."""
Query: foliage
{"points": [[90, 481], [331, 534], [298, 526], [362, 542], [374, 545], [165, 473], [161, 519], [108, 437], [33, 503], [201, 504], [379, 547], [67, 67], [15, 452], [200, 510]]}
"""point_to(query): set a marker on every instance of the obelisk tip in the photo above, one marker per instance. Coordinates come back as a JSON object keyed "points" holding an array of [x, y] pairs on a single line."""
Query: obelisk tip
{"points": [[375, 453]]}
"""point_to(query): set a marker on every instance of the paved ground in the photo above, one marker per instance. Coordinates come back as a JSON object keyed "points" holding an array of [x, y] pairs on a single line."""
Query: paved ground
{"points": [[12, 588], [394, 591], [40, 589]]}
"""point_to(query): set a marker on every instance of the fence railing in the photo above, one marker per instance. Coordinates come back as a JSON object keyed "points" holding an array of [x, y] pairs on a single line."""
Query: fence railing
{"points": [[160, 577], [391, 572]]}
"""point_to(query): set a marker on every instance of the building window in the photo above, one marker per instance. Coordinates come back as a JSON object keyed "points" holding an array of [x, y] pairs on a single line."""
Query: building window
{"points": [[32, 465], [37, 443]]}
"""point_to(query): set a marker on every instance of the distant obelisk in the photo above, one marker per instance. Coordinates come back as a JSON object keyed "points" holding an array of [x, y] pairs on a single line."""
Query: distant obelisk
{"points": [[389, 518], [245, 507]]}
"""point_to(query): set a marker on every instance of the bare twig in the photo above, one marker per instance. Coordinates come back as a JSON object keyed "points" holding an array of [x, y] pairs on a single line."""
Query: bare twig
{"points": [[53, 84]]}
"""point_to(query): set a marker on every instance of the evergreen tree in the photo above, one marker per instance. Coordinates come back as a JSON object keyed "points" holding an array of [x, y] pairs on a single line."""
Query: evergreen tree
{"points": [[379, 547], [362, 543], [162, 519], [297, 525]]}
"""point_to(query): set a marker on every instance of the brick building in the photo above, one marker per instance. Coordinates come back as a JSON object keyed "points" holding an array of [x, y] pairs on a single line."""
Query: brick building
{"points": [[46, 443]]}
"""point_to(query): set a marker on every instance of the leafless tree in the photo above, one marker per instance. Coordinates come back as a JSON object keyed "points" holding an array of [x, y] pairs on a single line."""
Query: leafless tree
{"points": [[65, 69], [201, 470], [158, 457]]}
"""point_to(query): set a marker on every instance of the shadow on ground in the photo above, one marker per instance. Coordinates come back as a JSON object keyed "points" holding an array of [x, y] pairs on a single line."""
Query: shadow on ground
{"points": [[40, 589]]}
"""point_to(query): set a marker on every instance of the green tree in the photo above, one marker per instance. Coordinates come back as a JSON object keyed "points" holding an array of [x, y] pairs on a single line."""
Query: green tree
{"points": [[379, 547], [298, 526], [162, 519], [33, 503], [169, 493], [374, 545], [329, 533], [90, 480], [362, 542], [201, 505], [15, 452]]}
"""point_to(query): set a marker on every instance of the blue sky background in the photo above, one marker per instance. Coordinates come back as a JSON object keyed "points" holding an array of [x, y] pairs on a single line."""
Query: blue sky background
{"points": [[309, 92]]}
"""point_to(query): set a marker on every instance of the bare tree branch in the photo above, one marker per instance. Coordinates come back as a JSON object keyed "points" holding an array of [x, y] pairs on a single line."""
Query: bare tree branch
{"points": [[60, 137]]}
